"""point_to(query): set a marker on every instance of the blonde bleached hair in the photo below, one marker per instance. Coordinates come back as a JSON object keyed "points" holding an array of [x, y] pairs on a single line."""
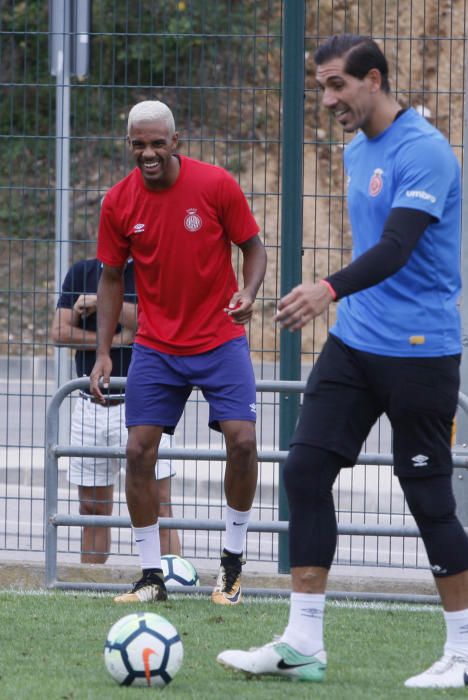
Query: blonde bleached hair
{"points": [[151, 111]]}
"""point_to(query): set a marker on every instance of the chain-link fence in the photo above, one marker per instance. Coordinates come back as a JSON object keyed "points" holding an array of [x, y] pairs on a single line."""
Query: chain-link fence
{"points": [[67, 85]]}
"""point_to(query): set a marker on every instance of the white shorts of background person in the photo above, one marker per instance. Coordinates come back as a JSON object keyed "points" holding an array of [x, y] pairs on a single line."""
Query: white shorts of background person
{"points": [[95, 425]]}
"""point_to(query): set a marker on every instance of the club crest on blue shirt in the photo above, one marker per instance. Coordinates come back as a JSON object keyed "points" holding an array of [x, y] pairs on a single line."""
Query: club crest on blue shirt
{"points": [[376, 182]]}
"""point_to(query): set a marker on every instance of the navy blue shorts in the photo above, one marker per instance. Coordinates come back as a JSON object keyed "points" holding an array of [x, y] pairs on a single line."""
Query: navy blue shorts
{"points": [[159, 385], [348, 390]]}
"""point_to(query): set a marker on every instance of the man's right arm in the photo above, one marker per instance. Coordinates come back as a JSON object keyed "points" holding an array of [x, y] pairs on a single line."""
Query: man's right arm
{"points": [[110, 296], [67, 331]]}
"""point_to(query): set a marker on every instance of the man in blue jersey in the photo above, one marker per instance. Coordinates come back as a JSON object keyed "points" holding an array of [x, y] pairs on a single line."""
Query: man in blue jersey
{"points": [[395, 350]]}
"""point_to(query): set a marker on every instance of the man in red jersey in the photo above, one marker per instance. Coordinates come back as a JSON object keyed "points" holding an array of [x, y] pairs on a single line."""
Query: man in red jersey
{"points": [[177, 218]]}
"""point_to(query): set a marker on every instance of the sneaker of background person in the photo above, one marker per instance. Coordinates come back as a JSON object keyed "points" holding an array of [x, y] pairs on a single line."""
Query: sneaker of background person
{"points": [[149, 589], [450, 671], [276, 659], [227, 590]]}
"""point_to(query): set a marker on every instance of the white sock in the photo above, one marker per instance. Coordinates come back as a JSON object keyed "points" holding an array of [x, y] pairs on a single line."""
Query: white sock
{"points": [[305, 627], [457, 632], [236, 529], [149, 546]]}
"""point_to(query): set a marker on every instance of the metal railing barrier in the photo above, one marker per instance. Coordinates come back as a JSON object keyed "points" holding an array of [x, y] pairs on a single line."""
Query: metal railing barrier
{"points": [[54, 519]]}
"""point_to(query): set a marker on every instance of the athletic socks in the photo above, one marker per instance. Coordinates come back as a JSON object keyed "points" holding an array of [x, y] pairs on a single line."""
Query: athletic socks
{"points": [[148, 545], [304, 632], [236, 529], [457, 633]]}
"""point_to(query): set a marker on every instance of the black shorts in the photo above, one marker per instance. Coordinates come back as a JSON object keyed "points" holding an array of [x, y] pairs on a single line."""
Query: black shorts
{"points": [[348, 390]]}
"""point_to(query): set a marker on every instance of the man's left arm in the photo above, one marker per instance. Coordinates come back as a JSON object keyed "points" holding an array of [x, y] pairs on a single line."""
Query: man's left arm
{"points": [[402, 231], [253, 271]]}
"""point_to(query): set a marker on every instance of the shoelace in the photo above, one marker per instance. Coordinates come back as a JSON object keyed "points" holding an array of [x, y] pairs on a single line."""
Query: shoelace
{"points": [[231, 572], [275, 640], [445, 662], [152, 579]]}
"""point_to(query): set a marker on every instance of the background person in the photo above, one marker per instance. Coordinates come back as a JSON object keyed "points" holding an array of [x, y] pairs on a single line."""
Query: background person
{"points": [[177, 218], [101, 424], [395, 349]]}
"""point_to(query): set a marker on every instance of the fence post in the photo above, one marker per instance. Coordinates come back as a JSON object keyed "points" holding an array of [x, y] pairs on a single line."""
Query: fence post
{"points": [[291, 227], [460, 476]]}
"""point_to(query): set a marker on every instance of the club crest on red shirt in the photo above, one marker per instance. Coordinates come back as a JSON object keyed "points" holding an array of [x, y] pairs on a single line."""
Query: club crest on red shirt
{"points": [[192, 221]]}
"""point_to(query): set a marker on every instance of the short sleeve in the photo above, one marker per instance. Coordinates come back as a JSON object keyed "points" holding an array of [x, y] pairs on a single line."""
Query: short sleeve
{"points": [[425, 175], [73, 285], [112, 247], [237, 219]]}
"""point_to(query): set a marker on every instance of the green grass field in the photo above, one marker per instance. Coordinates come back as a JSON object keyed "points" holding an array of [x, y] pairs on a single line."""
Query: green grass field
{"points": [[51, 648]]}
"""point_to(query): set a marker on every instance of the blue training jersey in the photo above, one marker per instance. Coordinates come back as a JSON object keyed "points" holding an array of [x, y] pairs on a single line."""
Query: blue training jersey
{"points": [[413, 313]]}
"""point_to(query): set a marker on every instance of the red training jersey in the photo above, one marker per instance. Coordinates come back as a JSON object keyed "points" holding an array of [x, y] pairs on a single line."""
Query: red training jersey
{"points": [[180, 240]]}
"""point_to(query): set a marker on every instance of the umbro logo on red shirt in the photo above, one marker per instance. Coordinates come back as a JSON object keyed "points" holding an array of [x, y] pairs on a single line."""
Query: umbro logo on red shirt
{"points": [[138, 228]]}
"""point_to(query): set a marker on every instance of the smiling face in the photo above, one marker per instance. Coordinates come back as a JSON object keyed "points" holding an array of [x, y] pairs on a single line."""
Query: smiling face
{"points": [[352, 100], [152, 145]]}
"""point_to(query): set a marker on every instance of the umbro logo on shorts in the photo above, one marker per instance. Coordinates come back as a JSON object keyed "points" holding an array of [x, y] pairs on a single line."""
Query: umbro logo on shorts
{"points": [[420, 460]]}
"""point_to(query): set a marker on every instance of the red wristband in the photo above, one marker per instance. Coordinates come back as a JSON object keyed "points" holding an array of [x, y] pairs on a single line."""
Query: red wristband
{"points": [[330, 288]]}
